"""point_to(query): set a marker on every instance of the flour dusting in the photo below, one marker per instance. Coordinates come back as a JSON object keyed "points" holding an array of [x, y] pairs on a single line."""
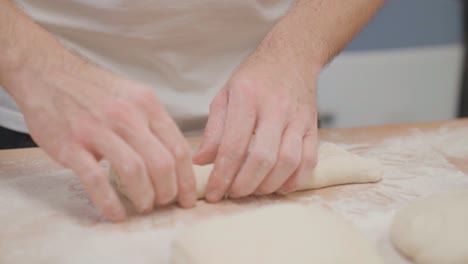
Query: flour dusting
{"points": [[48, 216], [415, 166]]}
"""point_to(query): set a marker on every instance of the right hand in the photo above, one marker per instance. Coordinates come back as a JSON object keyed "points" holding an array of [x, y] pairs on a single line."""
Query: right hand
{"points": [[79, 114]]}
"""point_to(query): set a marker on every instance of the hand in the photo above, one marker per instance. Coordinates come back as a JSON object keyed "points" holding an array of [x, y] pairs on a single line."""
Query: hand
{"points": [[262, 128], [79, 114]]}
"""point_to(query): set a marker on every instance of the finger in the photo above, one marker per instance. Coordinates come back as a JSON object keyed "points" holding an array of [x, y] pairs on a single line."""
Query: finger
{"points": [[288, 160], [306, 168], [159, 162], [95, 180], [213, 131], [260, 160], [176, 144], [129, 165], [239, 126], [165, 129], [134, 128]]}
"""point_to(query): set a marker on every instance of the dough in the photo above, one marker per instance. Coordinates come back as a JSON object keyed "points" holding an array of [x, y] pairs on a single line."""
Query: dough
{"points": [[335, 166], [434, 230], [276, 234]]}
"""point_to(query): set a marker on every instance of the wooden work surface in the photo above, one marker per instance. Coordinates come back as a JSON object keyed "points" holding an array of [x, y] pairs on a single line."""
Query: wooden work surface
{"points": [[46, 216]]}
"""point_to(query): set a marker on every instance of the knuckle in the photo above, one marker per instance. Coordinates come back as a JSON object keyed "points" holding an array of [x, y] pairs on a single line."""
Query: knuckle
{"points": [[146, 98], [81, 135], [116, 109], [121, 112], [164, 166], [282, 106], [83, 128], [187, 185], [243, 89], [92, 178], [163, 122], [182, 153], [63, 153], [133, 167], [145, 95], [242, 84], [290, 159], [264, 158], [231, 153]]}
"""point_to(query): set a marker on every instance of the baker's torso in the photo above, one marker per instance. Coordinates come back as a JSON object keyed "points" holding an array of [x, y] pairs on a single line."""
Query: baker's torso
{"points": [[184, 50]]}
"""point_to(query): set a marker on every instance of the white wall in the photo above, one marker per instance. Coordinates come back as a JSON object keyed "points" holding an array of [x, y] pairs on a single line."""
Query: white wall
{"points": [[391, 86]]}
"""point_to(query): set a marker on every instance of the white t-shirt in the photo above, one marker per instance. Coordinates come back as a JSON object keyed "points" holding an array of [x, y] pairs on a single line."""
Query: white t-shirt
{"points": [[184, 50]]}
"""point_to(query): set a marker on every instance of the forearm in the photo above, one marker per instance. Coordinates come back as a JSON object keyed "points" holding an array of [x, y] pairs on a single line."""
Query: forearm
{"points": [[314, 31], [24, 45]]}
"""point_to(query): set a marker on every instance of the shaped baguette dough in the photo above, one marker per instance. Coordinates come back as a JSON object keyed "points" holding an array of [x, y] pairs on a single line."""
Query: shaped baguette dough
{"points": [[277, 234], [335, 166], [434, 230]]}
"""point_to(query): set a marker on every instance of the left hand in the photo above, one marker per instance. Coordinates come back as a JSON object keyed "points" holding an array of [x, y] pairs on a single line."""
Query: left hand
{"points": [[271, 97]]}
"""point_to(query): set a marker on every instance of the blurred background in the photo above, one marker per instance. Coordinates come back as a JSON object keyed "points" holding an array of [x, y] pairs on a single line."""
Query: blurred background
{"points": [[406, 66]]}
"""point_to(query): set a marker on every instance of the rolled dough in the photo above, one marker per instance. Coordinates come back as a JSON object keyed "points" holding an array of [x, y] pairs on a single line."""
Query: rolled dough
{"points": [[335, 166], [434, 230], [276, 234]]}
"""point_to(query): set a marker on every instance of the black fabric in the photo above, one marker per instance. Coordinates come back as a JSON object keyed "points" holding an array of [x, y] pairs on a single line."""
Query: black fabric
{"points": [[463, 100], [10, 139]]}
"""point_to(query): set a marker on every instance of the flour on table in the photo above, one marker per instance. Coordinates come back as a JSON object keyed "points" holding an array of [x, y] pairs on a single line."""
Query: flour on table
{"points": [[46, 217], [415, 166]]}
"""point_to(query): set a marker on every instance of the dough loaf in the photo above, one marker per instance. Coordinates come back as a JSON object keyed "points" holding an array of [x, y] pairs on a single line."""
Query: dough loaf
{"points": [[276, 234], [335, 166], [434, 230]]}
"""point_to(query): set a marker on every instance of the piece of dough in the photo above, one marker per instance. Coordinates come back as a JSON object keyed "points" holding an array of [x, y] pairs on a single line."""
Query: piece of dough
{"points": [[276, 234], [335, 166], [434, 230]]}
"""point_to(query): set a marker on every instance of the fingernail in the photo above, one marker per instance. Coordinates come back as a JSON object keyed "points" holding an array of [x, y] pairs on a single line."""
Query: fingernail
{"points": [[193, 197], [147, 207], [118, 214], [282, 191], [213, 196], [199, 156]]}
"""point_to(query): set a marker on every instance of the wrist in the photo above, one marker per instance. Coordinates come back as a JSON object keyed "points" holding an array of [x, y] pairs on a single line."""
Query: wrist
{"points": [[288, 60], [28, 51], [283, 45], [22, 70]]}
